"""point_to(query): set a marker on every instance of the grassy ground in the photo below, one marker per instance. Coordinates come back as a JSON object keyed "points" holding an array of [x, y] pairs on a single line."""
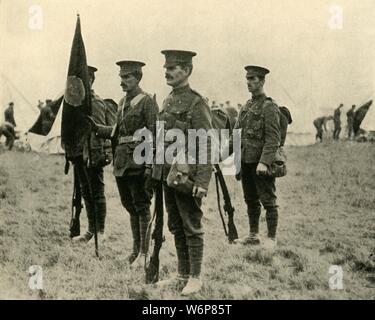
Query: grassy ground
{"points": [[327, 218]]}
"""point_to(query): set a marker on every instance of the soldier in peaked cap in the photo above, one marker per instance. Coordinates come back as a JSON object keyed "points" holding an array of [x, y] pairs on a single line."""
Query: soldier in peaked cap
{"points": [[100, 157], [137, 110], [259, 120], [185, 109]]}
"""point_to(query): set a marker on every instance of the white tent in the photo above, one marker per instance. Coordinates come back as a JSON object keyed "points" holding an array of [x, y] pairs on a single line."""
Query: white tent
{"points": [[368, 122], [24, 111]]}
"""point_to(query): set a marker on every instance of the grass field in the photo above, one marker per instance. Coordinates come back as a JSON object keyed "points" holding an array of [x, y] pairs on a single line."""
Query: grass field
{"points": [[327, 217]]}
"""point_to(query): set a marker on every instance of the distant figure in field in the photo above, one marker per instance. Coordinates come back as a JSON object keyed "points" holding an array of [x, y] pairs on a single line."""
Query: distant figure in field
{"points": [[7, 129], [9, 114], [232, 113], [350, 118], [319, 124], [337, 122], [239, 106]]}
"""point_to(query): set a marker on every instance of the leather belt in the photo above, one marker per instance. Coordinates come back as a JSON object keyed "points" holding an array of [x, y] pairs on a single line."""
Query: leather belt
{"points": [[128, 139]]}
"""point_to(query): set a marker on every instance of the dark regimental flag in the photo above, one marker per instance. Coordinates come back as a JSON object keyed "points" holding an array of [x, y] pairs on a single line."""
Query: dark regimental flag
{"points": [[77, 99], [359, 115], [43, 125]]}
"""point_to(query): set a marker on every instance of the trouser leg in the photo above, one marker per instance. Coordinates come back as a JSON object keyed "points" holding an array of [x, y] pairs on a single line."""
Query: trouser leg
{"points": [[272, 221], [127, 201], [266, 189], [86, 189], [9, 139], [136, 234], [142, 202], [191, 215], [137, 200], [320, 135], [251, 196], [175, 226], [97, 183]]}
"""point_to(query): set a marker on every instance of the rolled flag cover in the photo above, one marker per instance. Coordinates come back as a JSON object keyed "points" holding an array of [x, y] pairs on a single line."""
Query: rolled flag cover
{"points": [[77, 99]]}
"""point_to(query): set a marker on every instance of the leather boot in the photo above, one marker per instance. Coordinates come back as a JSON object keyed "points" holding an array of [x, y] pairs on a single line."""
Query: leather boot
{"points": [[272, 218], [101, 211], [84, 238], [144, 220], [134, 223], [195, 257], [177, 282], [194, 285], [253, 213], [183, 261], [252, 239]]}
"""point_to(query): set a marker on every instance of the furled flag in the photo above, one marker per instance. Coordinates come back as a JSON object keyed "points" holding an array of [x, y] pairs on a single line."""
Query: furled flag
{"points": [[75, 129]]}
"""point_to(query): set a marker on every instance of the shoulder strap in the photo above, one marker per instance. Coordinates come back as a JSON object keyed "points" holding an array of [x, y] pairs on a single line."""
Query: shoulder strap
{"points": [[137, 99]]}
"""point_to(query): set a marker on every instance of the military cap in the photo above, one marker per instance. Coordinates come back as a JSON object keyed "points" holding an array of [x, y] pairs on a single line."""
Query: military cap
{"points": [[176, 57], [128, 66], [92, 69], [256, 71]]}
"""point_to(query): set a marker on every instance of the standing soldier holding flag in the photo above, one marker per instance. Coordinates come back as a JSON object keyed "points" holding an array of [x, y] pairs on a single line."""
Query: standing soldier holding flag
{"points": [[100, 157], [75, 129]]}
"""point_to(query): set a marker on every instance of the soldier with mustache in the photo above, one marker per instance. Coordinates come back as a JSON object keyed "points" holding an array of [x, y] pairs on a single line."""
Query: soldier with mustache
{"points": [[137, 110], [185, 109]]}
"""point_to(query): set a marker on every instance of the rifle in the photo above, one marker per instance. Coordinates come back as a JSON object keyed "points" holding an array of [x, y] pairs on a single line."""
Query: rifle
{"points": [[152, 266], [231, 233], [74, 227]]}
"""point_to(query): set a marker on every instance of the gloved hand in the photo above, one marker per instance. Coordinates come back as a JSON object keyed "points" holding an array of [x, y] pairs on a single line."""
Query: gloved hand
{"points": [[199, 192], [262, 169]]}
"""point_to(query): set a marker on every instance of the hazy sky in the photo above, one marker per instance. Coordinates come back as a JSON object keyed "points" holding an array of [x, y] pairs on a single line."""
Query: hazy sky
{"points": [[313, 67]]}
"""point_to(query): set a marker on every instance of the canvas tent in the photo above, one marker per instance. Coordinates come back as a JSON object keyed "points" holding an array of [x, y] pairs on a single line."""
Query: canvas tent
{"points": [[301, 131], [24, 111], [368, 123]]}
